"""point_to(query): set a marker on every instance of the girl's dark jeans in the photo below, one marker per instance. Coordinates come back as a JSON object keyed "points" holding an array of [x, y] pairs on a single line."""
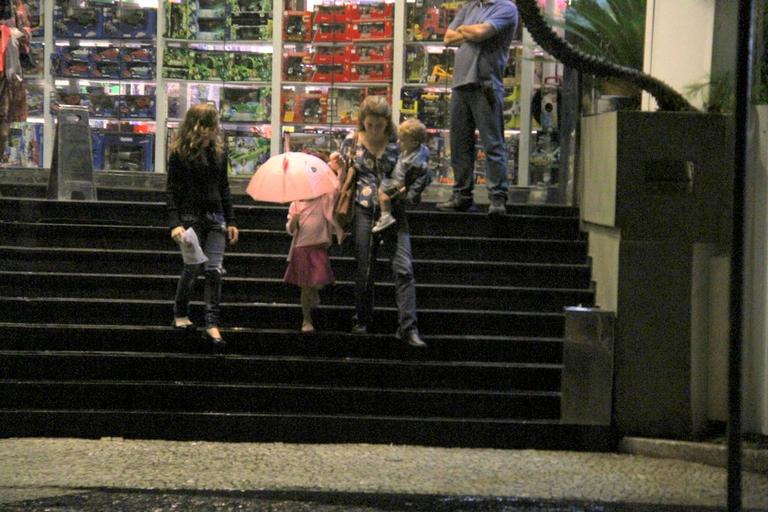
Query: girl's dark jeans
{"points": [[211, 232]]}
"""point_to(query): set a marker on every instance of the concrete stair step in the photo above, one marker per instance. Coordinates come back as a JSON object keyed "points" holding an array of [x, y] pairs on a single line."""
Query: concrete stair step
{"points": [[240, 289]]}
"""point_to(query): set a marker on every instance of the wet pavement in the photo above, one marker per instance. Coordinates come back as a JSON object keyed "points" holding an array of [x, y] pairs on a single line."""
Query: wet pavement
{"points": [[94, 500], [135, 475]]}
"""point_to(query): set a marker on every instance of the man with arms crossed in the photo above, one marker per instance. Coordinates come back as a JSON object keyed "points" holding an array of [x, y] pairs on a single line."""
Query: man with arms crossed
{"points": [[483, 31]]}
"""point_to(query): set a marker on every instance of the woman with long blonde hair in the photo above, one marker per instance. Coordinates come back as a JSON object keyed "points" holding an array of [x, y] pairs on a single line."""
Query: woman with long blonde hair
{"points": [[198, 199]]}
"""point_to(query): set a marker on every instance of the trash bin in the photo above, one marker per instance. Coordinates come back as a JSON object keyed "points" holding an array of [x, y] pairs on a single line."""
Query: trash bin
{"points": [[587, 379]]}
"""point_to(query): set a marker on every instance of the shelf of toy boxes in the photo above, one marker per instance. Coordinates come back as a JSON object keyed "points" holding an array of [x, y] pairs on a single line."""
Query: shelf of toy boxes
{"points": [[426, 91], [329, 58], [24, 148], [222, 52], [103, 57], [333, 55]]}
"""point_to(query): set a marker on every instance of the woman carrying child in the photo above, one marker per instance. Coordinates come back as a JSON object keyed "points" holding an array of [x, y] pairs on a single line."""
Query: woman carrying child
{"points": [[374, 151]]}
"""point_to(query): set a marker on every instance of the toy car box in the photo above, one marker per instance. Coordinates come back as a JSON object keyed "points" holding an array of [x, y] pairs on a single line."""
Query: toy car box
{"points": [[330, 54], [370, 72], [79, 23], [123, 152], [331, 73], [297, 67], [137, 106], [368, 52], [240, 104], [250, 67], [329, 14], [370, 11], [297, 26], [107, 70], [369, 30], [246, 154], [129, 23], [330, 32]]}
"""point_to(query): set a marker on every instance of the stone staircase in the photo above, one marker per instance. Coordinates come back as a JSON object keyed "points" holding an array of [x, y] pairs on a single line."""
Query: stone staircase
{"points": [[86, 292]]}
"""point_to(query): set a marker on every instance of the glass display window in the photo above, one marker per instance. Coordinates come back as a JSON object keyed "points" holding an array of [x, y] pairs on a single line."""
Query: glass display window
{"points": [[334, 55]]}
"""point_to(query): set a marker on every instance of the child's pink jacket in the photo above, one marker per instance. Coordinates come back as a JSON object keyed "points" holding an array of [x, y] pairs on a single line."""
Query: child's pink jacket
{"points": [[316, 224]]}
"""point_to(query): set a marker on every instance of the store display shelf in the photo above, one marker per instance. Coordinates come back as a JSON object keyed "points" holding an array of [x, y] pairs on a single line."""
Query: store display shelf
{"points": [[233, 83], [428, 85], [99, 41], [436, 42], [261, 45], [320, 126], [65, 81], [129, 120], [335, 43], [337, 84]]}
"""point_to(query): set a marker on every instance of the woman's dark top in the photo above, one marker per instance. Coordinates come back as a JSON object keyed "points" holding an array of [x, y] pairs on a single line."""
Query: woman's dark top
{"points": [[198, 187]]}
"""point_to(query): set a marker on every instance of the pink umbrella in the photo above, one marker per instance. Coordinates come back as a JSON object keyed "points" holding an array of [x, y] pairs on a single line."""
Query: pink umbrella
{"points": [[291, 177]]}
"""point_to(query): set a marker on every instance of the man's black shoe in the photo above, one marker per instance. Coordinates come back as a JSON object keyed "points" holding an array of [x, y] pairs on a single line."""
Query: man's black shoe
{"points": [[413, 339], [455, 204], [498, 206]]}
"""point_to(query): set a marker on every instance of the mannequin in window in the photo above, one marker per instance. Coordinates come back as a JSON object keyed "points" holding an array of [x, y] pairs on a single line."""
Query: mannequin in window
{"points": [[15, 38]]}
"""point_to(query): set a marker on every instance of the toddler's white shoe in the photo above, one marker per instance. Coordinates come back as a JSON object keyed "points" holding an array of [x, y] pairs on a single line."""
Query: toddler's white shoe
{"points": [[384, 222]]}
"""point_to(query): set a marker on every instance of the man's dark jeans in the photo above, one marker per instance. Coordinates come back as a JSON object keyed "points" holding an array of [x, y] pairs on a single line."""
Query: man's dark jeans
{"points": [[472, 109]]}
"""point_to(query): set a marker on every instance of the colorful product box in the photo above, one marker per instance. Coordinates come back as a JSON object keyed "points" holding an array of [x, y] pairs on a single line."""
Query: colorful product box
{"points": [[123, 151], [75, 69], [370, 72], [79, 23], [137, 106], [211, 9], [35, 98], [25, 145], [330, 54], [252, 105], [370, 11], [144, 54], [111, 54], [250, 6], [297, 26], [75, 53], [331, 73], [369, 30], [251, 67], [179, 20], [330, 32], [344, 105], [107, 70], [137, 70], [130, 23], [176, 73], [246, 154], [212, 29], [178, 57], [251, 27], [368, 52], [297, 67], [311, 107], [103, 105], [209, 65], [329, 14]]}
